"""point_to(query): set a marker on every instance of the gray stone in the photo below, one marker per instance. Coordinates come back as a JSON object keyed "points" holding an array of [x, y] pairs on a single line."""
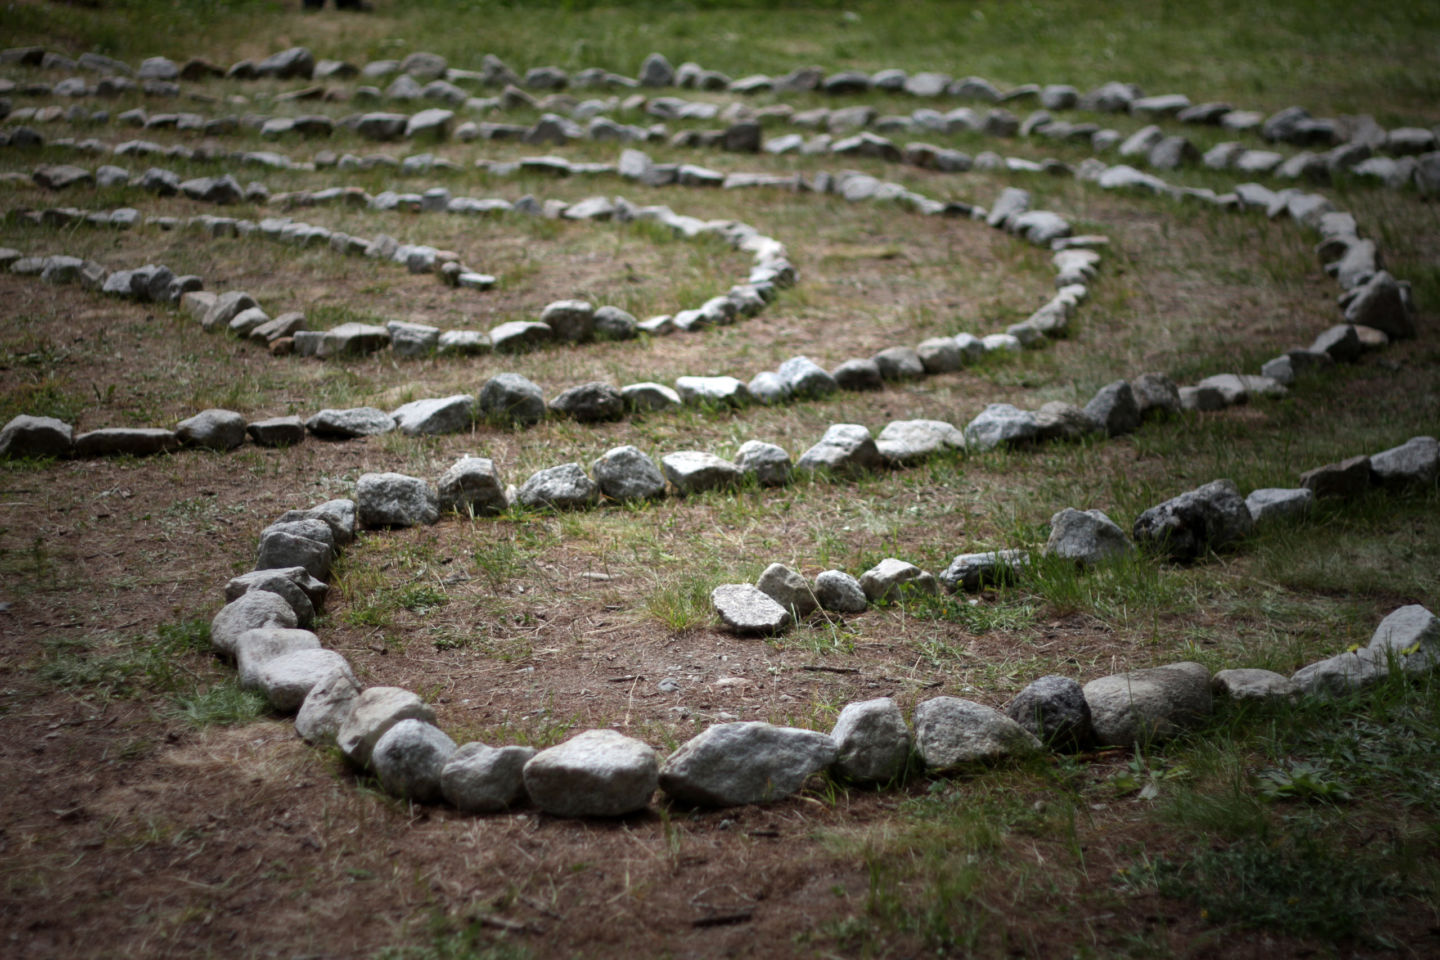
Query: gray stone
{"points": [[304, 593], [249, 611], [462, 342], [972, 571], [276, 431], [1012, 202], [899, 363], [910, 441], [767, 388], [1415, 462], [1114, 407], [482, 779], [789, 589], [940, 355], [1210, 517], [253, 648], [745, 609], [296, 544], [722, 391], [61, 269], [285, 325], [435, 416], [394, 500], [286, 680], [1053, 709], [739, 763], [768, 463], [805, 378], [649, 397], [294, 63], [593, 402], [27, 436], [694, 471], [1381, 304], [352, 340], [213, 429], [872, 741], [839, 592], [1408, 640], [950, 732], [1143, 706], [598, 773], [351, 423], [1088, 537], [382, 126], [626, 473], [326, 706], [656, 72], [131, 441], [858, 375], [509, 398], [1273, 503], [572, 321], [471, 486], [412, 339], [339, 515], [612, 323], [846, 448], [1201, 399], [408, 759], [1155, 393], [1251, 684], [1340, 343], [424, 66], [1058, 420], [566, 487], [371, 716], [1000, 424], [1347, 479], [891, 579]]}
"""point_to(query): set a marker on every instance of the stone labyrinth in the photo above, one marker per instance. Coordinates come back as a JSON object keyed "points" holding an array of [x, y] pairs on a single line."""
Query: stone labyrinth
{"points": [[69, 115]]}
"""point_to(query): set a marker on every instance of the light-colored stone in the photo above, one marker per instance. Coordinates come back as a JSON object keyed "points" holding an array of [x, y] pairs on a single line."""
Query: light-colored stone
{"points": [[872, 741], [904, 442], [347, 424], [373, 712], [950, 732], [566, 487], [769, 464], [598, 773], [971, 572], [750, 762], [789, 589], [745, 609], [1251, 684], [1416, 462], [890, 579], [408, 759], [509, 398], [627, 473], [471, 486], [1143, 706], [1000, 424], [1088, 537], [1054, 710], [846, 448], [437, 415], [27, 436], [250, 611], [286, 680], [695, 471], [326, 706], [394, 500], [482, 779], [839, 592], [1272, 503]]}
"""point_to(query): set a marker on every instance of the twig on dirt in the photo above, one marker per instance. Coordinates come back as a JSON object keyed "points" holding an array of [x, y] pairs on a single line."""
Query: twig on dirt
{"points": [[509, 926], [723, 919], [625, 679], [819, 668]]}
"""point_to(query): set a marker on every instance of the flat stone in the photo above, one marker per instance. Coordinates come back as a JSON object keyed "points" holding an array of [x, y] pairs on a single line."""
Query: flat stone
{"points": [[1000, 424], [598, 773], [408, 759], [250, 611], [767, 463], [950, 732], [890, 579], [372, 714], [1087, 537], [872, 741], [745, 609], [839, 592], [1273, 503], [465, 343], [846, 448], [1184, 528], [1053, 709], [27, 436], [805, 378], [1251, 684], [253, 648], [296, 544], [971, 572], [471, 486], [899, 363], [694, 471], [720, 391], [351, 423], [352, 340], [627, 473], [435, 416], [412, 339], [1347, 479], [287, 680], [1202, 399], [910, 441], [482, 779], [1340, 343], [940, 355], [649, 397], [509, 398], [295, 585], [394, 500], [858, 375], [1144, 706], [131, 441], [566, 487], [740, 763], [1415, 462], [1058, 420]]}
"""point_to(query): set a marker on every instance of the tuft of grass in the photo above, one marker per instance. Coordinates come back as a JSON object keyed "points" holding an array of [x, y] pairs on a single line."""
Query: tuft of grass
{"points": [[222, 704]]}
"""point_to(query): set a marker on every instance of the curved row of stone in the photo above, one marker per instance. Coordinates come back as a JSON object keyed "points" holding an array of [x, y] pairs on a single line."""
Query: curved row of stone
{"points": [[392, 732]]}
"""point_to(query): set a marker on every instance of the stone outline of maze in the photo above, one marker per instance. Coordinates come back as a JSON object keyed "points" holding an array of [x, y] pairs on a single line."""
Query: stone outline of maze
{"points": [[772, 265], [999, 122], [1306, 215]]}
